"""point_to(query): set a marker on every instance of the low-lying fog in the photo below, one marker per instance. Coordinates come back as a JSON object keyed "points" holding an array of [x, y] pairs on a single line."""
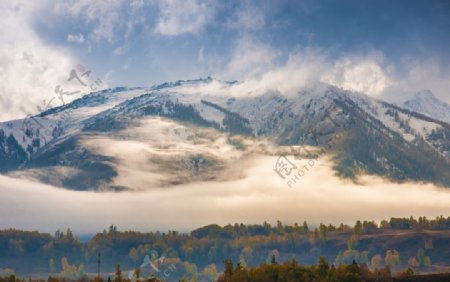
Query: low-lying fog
{"points": [[259, 195]]}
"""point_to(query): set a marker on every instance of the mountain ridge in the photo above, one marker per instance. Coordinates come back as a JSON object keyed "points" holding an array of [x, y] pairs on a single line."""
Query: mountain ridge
{"points": [[384, 139]]}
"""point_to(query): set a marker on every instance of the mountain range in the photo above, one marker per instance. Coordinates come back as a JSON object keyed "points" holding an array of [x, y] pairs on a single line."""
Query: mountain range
{"points": [[197, 130]]}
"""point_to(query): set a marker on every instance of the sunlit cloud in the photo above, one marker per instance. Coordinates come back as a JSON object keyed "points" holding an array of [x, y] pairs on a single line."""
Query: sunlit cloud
{"points": [[364, 75], [30, 69]]}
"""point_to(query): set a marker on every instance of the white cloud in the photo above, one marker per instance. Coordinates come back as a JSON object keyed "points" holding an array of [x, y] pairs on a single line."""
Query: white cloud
{"points": [[302, 69], [106, 15], [360, 74], [201, 57], [419, 75], [186, 16], [119, 51], [258, 66], [29, 69], [250, 58], [79, 38], [111, 19], [247, 18]]}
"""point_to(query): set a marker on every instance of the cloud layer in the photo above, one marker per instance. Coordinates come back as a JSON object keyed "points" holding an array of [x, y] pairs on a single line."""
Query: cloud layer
{"points": [[317, 197]]}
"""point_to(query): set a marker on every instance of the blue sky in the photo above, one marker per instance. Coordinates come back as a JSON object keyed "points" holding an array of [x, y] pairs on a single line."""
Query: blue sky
{"points": [[383, 48]]}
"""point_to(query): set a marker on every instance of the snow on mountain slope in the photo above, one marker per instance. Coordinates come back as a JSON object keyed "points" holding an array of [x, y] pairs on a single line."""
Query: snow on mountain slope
{"points": [[409, 125], [57, 123], [374, 137], [425, 102]]}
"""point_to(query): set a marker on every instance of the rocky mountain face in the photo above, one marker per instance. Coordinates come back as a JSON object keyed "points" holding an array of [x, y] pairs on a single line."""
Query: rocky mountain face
{"points": [[187, 123]]}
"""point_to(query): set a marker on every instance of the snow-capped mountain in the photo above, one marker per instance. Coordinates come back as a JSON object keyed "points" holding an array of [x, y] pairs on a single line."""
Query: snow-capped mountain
{"points": [[195, 130], [425, 102]]}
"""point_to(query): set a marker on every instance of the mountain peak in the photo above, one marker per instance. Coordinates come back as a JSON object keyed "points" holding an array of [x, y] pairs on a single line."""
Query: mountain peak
{"points": [[425, 102], [425, 95]]}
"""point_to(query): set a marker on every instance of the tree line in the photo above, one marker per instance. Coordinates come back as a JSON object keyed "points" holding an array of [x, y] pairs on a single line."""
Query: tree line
{"points": [[201, 252]]}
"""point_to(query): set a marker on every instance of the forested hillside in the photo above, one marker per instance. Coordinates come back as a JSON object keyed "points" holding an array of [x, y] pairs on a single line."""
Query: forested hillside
{"points": [[420, 244]]}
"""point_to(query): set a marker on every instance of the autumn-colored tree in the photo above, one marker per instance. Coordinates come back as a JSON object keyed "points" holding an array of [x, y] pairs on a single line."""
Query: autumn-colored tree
{"points": [[384, 224], [247, 253], [323, 232], [352, 243], [323, 267], [392, 259], [96, 279], [358, 228], [137, 273], [408, 272], [191, 270], [69, 234], [210, 272], [363, 257], [422, 258], [134, 255], [69, 271], [228, 271], [118, 274], [349, 256], [413, 263], [376, 261], [305, 226]]}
